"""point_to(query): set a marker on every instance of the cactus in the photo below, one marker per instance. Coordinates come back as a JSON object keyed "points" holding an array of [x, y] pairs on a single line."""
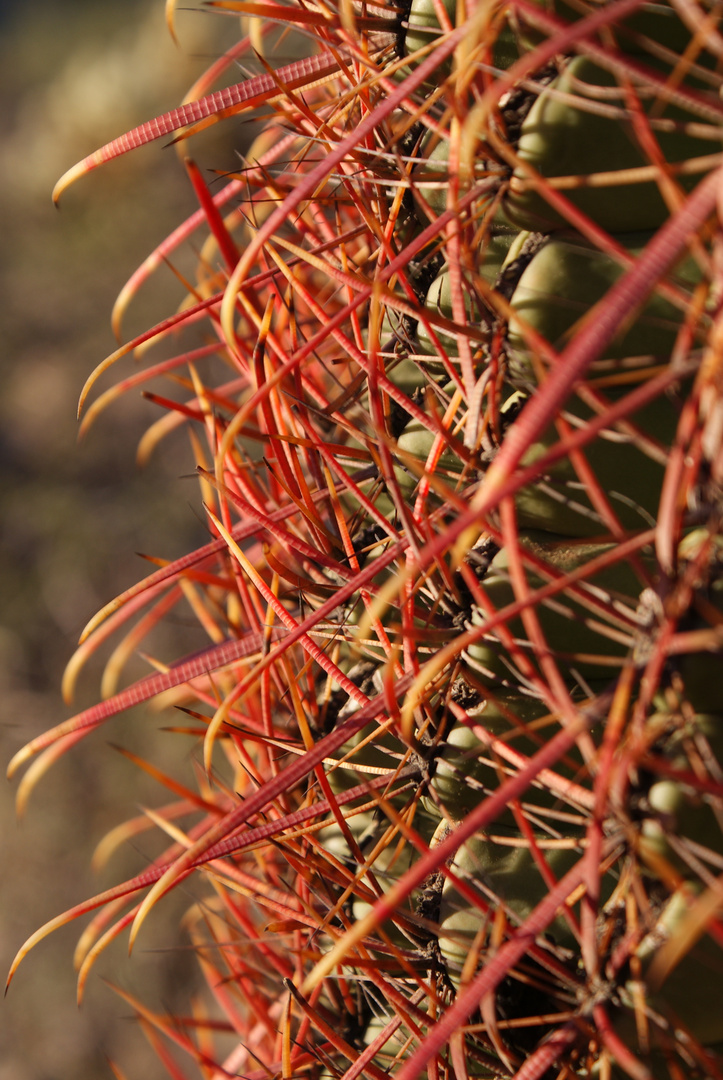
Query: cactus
{"points": [[458, 714]]}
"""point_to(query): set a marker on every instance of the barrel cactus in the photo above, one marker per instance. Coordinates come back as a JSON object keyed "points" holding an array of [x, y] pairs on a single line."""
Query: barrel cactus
{"points": [[457, 422]]}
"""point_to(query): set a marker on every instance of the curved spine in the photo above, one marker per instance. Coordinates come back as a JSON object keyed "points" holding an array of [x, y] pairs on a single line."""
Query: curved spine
{"points": [[244, 95]]}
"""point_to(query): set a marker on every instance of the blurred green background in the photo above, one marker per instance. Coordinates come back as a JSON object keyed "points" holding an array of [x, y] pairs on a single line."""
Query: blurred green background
{"points": [[72, 517]]}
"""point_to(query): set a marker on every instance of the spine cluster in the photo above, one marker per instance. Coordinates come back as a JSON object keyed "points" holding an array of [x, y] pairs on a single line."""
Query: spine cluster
{"points": [[456, 418]]}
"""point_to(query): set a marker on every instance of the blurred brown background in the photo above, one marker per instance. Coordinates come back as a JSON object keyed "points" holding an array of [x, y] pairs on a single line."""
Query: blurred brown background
{"points": [[73, 75]]}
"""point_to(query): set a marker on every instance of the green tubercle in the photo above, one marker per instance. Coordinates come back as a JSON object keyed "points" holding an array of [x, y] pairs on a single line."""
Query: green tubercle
{"points": [[572, 136]]}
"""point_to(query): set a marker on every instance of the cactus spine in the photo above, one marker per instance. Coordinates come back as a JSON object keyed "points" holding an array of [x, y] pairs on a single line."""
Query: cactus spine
{"points": [[463, 474]]}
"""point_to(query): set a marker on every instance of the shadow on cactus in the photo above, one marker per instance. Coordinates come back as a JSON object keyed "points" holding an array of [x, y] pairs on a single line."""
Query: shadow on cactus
{"points": [[458, 443]]}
